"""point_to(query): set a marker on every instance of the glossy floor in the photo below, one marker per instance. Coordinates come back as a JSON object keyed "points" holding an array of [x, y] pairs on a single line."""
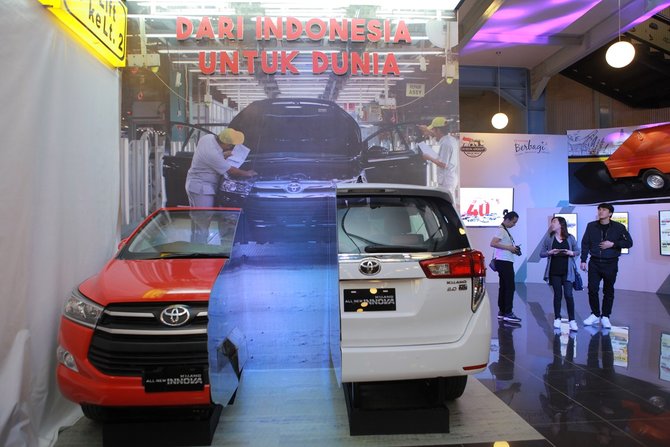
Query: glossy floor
{"points": [[542, 387], [589, 387]]}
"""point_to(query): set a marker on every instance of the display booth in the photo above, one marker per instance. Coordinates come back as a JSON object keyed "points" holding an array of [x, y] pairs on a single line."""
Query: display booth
{"points": [[249, 286]]}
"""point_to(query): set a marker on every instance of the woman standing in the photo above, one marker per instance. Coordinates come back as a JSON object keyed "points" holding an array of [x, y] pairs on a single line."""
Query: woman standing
{"points": [[560, 249], [505, 249]]}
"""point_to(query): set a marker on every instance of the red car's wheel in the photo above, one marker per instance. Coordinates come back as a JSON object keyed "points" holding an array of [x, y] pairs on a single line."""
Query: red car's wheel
{"points": [[654, 179]]}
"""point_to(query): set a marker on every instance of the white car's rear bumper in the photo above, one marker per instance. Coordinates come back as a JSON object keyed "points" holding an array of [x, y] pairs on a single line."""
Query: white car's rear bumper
{"points": [[368, 364]]}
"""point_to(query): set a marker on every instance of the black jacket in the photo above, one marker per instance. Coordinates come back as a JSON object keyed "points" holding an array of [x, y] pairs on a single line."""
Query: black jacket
{"points": [[596, 233]]}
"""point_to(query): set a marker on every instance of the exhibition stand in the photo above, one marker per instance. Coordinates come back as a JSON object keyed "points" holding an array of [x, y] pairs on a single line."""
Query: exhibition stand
{"points": [[396, 407], [162, 427]]}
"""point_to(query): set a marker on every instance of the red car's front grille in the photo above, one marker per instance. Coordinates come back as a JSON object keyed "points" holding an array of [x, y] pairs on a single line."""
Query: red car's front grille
{"points": [[131, 339]]}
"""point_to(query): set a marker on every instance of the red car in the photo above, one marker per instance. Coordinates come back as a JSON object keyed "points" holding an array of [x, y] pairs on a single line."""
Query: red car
{"points": [[644, 155], [135, 334]]}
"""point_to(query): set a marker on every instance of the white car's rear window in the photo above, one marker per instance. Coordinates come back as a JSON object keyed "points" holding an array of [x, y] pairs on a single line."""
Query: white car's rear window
{"points": [[385, 224]]}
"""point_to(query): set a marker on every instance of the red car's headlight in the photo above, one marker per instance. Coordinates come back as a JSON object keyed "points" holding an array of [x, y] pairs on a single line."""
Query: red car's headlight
{"points": [[81, 310]]}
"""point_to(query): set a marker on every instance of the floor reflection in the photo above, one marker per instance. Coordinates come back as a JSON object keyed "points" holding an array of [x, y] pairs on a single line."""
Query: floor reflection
{"points": [[590, 387]]}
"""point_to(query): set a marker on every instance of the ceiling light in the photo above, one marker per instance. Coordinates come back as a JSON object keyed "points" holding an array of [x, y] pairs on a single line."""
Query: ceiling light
{"points": [[620, 53], [499, 120]]}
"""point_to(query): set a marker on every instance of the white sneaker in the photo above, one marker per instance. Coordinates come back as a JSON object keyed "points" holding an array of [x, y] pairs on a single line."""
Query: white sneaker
{"points": [[573, 325], [591, 320], [605, 321], [557, 323]]}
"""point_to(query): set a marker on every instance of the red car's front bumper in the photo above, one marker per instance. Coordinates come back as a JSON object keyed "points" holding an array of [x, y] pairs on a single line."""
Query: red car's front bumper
{"points": [[90, 386]]}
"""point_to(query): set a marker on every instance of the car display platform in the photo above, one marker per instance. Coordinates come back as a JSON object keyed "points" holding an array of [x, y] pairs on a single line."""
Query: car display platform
{"points": [[396, 407], [168, 428]]}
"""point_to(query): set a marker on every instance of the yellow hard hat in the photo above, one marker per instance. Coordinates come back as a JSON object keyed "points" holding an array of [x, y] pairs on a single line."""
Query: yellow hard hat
{"points": [[438, 121], [231, 136]]}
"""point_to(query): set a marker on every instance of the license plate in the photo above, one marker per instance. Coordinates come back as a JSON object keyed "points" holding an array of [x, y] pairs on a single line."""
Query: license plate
{"points": [[174, 379], [369, 300]]}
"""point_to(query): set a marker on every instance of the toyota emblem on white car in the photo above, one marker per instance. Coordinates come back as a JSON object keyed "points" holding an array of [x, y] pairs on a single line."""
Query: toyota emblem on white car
{"points": [[370, 266]]}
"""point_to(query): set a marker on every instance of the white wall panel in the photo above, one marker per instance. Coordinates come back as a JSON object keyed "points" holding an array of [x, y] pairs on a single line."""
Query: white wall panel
{"points": [[60, 193]]}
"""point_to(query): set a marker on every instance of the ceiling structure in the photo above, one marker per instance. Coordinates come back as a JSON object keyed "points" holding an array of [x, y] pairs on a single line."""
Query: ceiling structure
{"points": [[570, 37], [546, 37]]}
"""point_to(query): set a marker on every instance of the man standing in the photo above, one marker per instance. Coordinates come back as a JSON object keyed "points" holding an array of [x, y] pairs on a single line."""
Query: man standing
{"points": [[202, 180], [447, 157], [603, 241], [209, 165]]}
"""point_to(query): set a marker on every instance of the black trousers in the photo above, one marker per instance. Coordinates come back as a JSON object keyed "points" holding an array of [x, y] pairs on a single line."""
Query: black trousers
{"points": [[506, 286], [562, 288], [605, 271]]}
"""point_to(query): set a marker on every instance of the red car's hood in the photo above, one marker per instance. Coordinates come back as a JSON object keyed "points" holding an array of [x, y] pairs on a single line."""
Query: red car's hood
{"points": [[153, 280]]}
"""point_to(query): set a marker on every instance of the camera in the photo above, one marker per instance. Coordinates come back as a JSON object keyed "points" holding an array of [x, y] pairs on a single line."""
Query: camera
{"points": [[518, 250]]}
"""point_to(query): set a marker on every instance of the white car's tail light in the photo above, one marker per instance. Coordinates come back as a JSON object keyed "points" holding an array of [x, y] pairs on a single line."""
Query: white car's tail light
{"points": [[469, 264], [459, 265]]}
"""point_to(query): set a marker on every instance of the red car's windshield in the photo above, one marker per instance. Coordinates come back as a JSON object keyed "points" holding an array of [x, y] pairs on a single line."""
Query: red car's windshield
{"points": [[188, 233]]}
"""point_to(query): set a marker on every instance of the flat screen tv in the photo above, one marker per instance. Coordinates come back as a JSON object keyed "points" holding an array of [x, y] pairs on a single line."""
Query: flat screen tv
{"points": [[483, 207], [664, 361], [622, 217], [664, 232], [571, 220]]}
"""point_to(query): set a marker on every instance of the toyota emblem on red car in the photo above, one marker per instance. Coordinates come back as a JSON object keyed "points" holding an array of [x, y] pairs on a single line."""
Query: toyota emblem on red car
{"points": [[175, 315]]}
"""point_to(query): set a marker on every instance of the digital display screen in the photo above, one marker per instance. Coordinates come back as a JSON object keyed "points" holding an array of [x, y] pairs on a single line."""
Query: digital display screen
{"points": [[483, 207], [622, 218], [571, 220], [664, 232]]}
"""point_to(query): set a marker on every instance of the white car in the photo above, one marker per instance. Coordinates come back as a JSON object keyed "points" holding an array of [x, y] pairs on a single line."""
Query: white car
{"points": [[413, 302]]}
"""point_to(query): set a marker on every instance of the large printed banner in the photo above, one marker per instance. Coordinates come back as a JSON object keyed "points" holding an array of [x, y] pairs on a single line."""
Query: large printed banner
{"points": [[296, 148], [620, 164]]}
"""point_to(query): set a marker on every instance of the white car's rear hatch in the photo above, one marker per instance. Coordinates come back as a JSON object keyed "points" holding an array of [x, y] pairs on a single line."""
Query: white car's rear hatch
{"points": [[407, 273]]}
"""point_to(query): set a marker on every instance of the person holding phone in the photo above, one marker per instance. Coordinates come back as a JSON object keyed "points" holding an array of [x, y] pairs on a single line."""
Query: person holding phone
{"points": [[560, 248], [505, 250]]}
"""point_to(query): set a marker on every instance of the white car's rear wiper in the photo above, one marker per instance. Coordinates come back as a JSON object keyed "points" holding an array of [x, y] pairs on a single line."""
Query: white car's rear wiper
{"points": [[393, 248]]}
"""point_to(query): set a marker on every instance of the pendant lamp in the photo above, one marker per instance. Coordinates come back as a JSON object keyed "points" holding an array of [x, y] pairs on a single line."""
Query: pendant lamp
{"points": [[499, 120], [620, 53]]}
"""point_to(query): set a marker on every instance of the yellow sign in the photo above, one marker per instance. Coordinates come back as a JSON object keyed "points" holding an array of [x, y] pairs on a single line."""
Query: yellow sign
{"points": [[415, 90], [100, 24]]}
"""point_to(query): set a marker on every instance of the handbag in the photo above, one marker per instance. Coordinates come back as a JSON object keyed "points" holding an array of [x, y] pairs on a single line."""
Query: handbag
{"points": [[577, 284], [492, 265]]}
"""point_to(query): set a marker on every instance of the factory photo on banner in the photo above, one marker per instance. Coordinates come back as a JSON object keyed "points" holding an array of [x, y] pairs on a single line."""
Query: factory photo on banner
{"points": [[282, 109]]}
